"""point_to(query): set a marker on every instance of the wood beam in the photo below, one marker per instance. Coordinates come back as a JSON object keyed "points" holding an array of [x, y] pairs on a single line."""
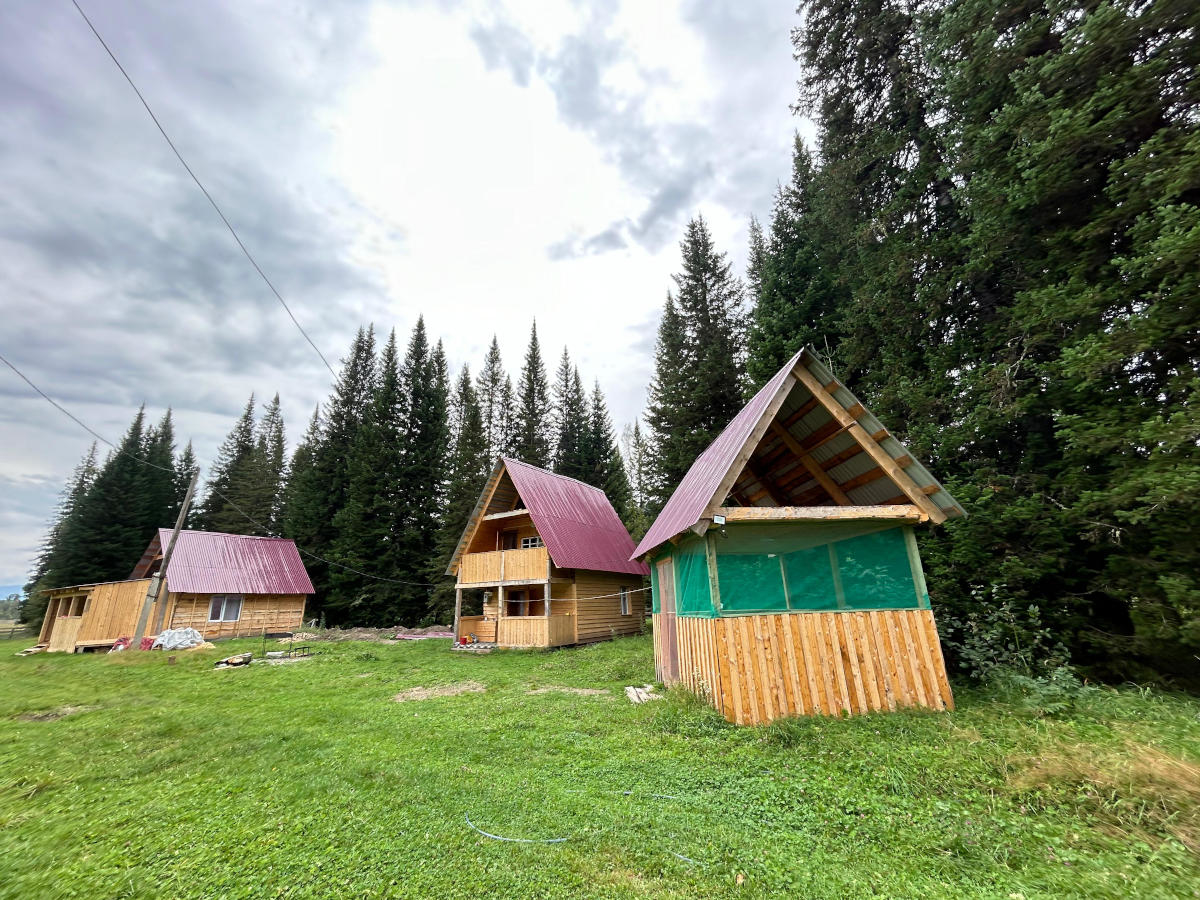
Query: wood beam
{"points": [[772, 490], [881, 456], [812, 465], [819, 513]]}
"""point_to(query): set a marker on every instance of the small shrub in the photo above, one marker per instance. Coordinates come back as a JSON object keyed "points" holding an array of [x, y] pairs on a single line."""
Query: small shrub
{"points": [[996, 634], [1055, 694]]}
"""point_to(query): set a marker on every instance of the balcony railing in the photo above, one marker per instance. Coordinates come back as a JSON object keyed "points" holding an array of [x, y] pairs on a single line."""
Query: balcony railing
{"points": [[500, 566]]}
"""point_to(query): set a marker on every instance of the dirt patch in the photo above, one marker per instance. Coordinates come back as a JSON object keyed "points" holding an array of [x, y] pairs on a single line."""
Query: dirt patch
{"points": [[1137, 790], [377, 635], [440, 690], [50, 715], [561, 689]]}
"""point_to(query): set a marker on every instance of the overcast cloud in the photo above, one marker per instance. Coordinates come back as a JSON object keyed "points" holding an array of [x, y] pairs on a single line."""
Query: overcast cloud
{"points": [[480, 163]]}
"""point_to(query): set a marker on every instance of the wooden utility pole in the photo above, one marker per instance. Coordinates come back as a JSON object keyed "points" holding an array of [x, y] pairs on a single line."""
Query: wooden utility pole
{"points": [[159, 579]]}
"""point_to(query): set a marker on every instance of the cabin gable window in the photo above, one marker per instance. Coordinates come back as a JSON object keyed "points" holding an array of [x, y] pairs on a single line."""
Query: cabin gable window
{"points": [[531, 543], [225, 608], [624, 601]]}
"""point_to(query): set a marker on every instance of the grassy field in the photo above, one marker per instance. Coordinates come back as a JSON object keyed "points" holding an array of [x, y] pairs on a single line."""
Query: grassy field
{"points": [[121, 776]]}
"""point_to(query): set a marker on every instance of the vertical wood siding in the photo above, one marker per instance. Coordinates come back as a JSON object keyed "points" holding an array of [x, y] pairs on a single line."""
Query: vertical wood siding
{"points": [[274, 612], [755, 669]]}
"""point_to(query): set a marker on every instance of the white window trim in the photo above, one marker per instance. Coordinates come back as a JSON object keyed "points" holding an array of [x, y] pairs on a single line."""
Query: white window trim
{"points": [[532, 543], [225, 598], [625, 608]]}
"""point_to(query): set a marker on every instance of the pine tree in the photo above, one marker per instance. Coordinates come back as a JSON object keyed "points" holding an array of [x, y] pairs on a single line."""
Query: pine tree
{"points": [[569, 421], [532, 426], [303, 495], [231, 504], [467, 471], [496, 402]]}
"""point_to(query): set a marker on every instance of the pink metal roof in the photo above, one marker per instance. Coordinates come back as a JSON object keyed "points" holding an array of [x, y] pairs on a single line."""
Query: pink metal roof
{"points": [[207, 562], [695, 492], [578, 524]]}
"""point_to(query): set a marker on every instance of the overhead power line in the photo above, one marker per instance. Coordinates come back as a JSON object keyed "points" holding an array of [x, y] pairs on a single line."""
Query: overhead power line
{"points": [[233, 231], [145, 462]]}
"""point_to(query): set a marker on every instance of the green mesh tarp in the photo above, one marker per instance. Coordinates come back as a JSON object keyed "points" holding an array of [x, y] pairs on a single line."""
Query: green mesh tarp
{"points": [[692, 594], [655, 602], [815, 566]]}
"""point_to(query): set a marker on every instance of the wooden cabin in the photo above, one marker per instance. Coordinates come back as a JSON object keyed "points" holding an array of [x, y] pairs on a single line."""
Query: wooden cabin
{"points": [[552, 561], [223, 585], [785, 572]]}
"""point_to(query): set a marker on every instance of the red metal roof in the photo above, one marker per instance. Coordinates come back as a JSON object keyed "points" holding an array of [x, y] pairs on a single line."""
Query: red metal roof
{"points": [[578, 524], [207, 562], [695, 492]]}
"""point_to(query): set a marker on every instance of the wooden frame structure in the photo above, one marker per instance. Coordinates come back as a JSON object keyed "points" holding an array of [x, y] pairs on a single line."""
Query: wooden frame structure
{"points": [[843, 623]]}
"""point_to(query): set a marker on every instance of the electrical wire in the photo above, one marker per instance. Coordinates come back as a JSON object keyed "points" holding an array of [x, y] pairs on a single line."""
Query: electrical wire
{"points": [[102, 439], [233, 231]]}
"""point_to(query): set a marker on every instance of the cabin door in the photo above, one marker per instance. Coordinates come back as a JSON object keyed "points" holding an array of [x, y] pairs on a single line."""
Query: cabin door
{"points": [[668, 665]]}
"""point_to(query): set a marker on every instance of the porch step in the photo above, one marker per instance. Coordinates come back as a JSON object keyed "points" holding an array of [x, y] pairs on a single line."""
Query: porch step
{"points": [[477, 647]]}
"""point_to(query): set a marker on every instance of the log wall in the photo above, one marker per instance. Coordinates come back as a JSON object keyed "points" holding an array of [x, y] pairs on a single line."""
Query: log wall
{"points": [[274, 612], [759, 668]]}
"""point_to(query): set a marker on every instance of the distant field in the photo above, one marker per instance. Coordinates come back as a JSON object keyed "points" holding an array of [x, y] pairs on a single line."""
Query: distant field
{"points": [[121, 776]]}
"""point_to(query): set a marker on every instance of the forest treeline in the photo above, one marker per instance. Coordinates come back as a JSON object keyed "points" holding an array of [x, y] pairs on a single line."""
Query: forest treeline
{"points": [[994, 240], [376, 493]]}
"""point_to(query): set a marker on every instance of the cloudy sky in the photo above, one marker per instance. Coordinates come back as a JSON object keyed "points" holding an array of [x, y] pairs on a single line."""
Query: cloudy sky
{"points": [[480, 163]]}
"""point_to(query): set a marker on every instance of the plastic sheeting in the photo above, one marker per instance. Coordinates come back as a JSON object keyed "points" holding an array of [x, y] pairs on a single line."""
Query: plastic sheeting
{"points": [[693, 596], [178, 639]]}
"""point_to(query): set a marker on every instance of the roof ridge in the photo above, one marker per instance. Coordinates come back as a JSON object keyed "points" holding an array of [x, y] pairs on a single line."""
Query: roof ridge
{"points": [[511, 459]]}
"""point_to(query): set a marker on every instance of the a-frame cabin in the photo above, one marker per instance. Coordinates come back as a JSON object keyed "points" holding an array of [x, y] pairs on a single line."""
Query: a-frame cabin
{"points": [[552, 560], [785, 573]]}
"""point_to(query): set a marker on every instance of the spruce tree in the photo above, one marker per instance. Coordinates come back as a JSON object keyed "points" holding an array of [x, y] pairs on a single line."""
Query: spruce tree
{"points": [[637, 457], [369, 527], [667, 409], [531, 441], [324, 492], [185, 467], [569, 421], [269, 449], [46, 572], [232, 504], [496, 402], [161, 500], [468, 468], [303, 495], [603, 466], [106, 533]]}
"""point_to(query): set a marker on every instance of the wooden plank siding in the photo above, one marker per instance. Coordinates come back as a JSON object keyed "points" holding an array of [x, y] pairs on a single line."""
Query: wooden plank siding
{"points": [[495, 566], [759, 668], [600, 619], [274, 612]]}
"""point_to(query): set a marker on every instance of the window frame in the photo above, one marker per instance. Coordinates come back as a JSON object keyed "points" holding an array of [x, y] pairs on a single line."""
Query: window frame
{"points": [[626, 609], [532, 542], [225, 601]]}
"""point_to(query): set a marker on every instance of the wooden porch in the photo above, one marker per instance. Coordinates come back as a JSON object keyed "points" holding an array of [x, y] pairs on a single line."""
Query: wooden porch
{"points": [[520, 631], [495, 567]]}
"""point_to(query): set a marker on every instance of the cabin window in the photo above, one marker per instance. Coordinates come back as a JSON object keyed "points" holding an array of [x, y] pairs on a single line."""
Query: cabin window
{"points": [[531, 543], [508, 540], [624, 601], [225, 608]]}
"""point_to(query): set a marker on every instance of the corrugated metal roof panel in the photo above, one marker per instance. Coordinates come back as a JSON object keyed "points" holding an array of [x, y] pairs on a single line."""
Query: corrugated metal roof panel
{"points": [[695, 492], [207, 562], [578, 524]]}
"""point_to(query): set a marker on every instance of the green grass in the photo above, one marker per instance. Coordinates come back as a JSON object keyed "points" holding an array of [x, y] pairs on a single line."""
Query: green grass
{"points": [[306, 780]]}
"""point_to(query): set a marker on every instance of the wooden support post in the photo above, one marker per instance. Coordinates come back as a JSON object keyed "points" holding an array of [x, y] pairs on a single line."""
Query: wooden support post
{"points": [[710, 556], [457, 613], [787, 599], [159, 580], [549, 579]]}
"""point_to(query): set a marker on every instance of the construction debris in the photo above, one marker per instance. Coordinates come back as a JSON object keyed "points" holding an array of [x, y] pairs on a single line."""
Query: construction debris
{"points": [[643, 693], [235, 661]]}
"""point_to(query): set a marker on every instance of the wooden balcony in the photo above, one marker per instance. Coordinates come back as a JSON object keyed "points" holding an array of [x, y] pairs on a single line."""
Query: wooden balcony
{"points": [[504, 567]]}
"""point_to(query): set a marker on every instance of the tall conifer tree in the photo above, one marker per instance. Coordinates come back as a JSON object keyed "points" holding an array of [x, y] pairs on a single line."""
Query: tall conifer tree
{"points": [[496, 402], [569, 421], [532, 428]]}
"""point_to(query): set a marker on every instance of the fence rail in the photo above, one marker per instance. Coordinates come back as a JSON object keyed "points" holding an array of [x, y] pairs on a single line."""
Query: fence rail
{"points": [[15, 631]]}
